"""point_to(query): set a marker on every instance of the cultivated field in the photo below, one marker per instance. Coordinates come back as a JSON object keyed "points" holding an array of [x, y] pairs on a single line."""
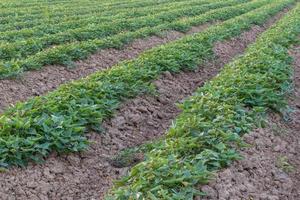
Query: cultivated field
{"points": [[157, 99]]}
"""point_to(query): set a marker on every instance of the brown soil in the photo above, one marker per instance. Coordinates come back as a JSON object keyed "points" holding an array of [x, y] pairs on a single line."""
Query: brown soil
{"points": [[270, 169], [89, 175], [35, 83]]}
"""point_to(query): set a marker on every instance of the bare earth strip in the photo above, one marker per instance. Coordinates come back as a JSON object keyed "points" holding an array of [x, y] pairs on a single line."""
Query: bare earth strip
{"points": [[89, 175], [270, 169], [35, 83]]}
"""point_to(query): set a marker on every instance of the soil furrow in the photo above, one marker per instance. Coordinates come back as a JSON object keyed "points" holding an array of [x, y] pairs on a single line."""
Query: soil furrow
{"points": [[270, 169], [39, 82], [89, 175]]}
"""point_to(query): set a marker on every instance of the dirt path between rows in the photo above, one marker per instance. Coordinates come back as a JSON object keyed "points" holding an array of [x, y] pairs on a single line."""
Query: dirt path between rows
{"points": [[89, 175], [39, 82], [270, 169]]}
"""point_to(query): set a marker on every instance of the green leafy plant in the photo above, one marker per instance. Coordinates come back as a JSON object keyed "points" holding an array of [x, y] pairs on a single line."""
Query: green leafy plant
{"points": [[29, 131], [284, 164], [205, 136], [80, 21], [66, 53]]}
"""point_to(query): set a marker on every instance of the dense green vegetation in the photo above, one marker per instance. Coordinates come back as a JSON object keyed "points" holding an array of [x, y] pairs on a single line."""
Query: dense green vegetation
{"points": [[57, 121], [76, 37], [205, 136], [79, 21], [37, 41]]}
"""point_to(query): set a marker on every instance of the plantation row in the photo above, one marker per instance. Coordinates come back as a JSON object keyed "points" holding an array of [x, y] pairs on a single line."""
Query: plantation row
{"points": [[31, 20], [79, 33], [38, 24], [29, 131], [205, 136], [76, 21], [69, 8], [21, 49], [113, 37]]}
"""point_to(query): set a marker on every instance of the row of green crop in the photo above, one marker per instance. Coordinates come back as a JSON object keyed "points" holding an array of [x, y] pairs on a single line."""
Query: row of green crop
{"points": [[76, 10], [205, 136], [32, 12], [38, 7], [65, 54], [93, 10], [35, 4], [82, 23], [58, 120], [40, 4], [22, 49], [70, 15], [10, 4], [57, 19]]}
